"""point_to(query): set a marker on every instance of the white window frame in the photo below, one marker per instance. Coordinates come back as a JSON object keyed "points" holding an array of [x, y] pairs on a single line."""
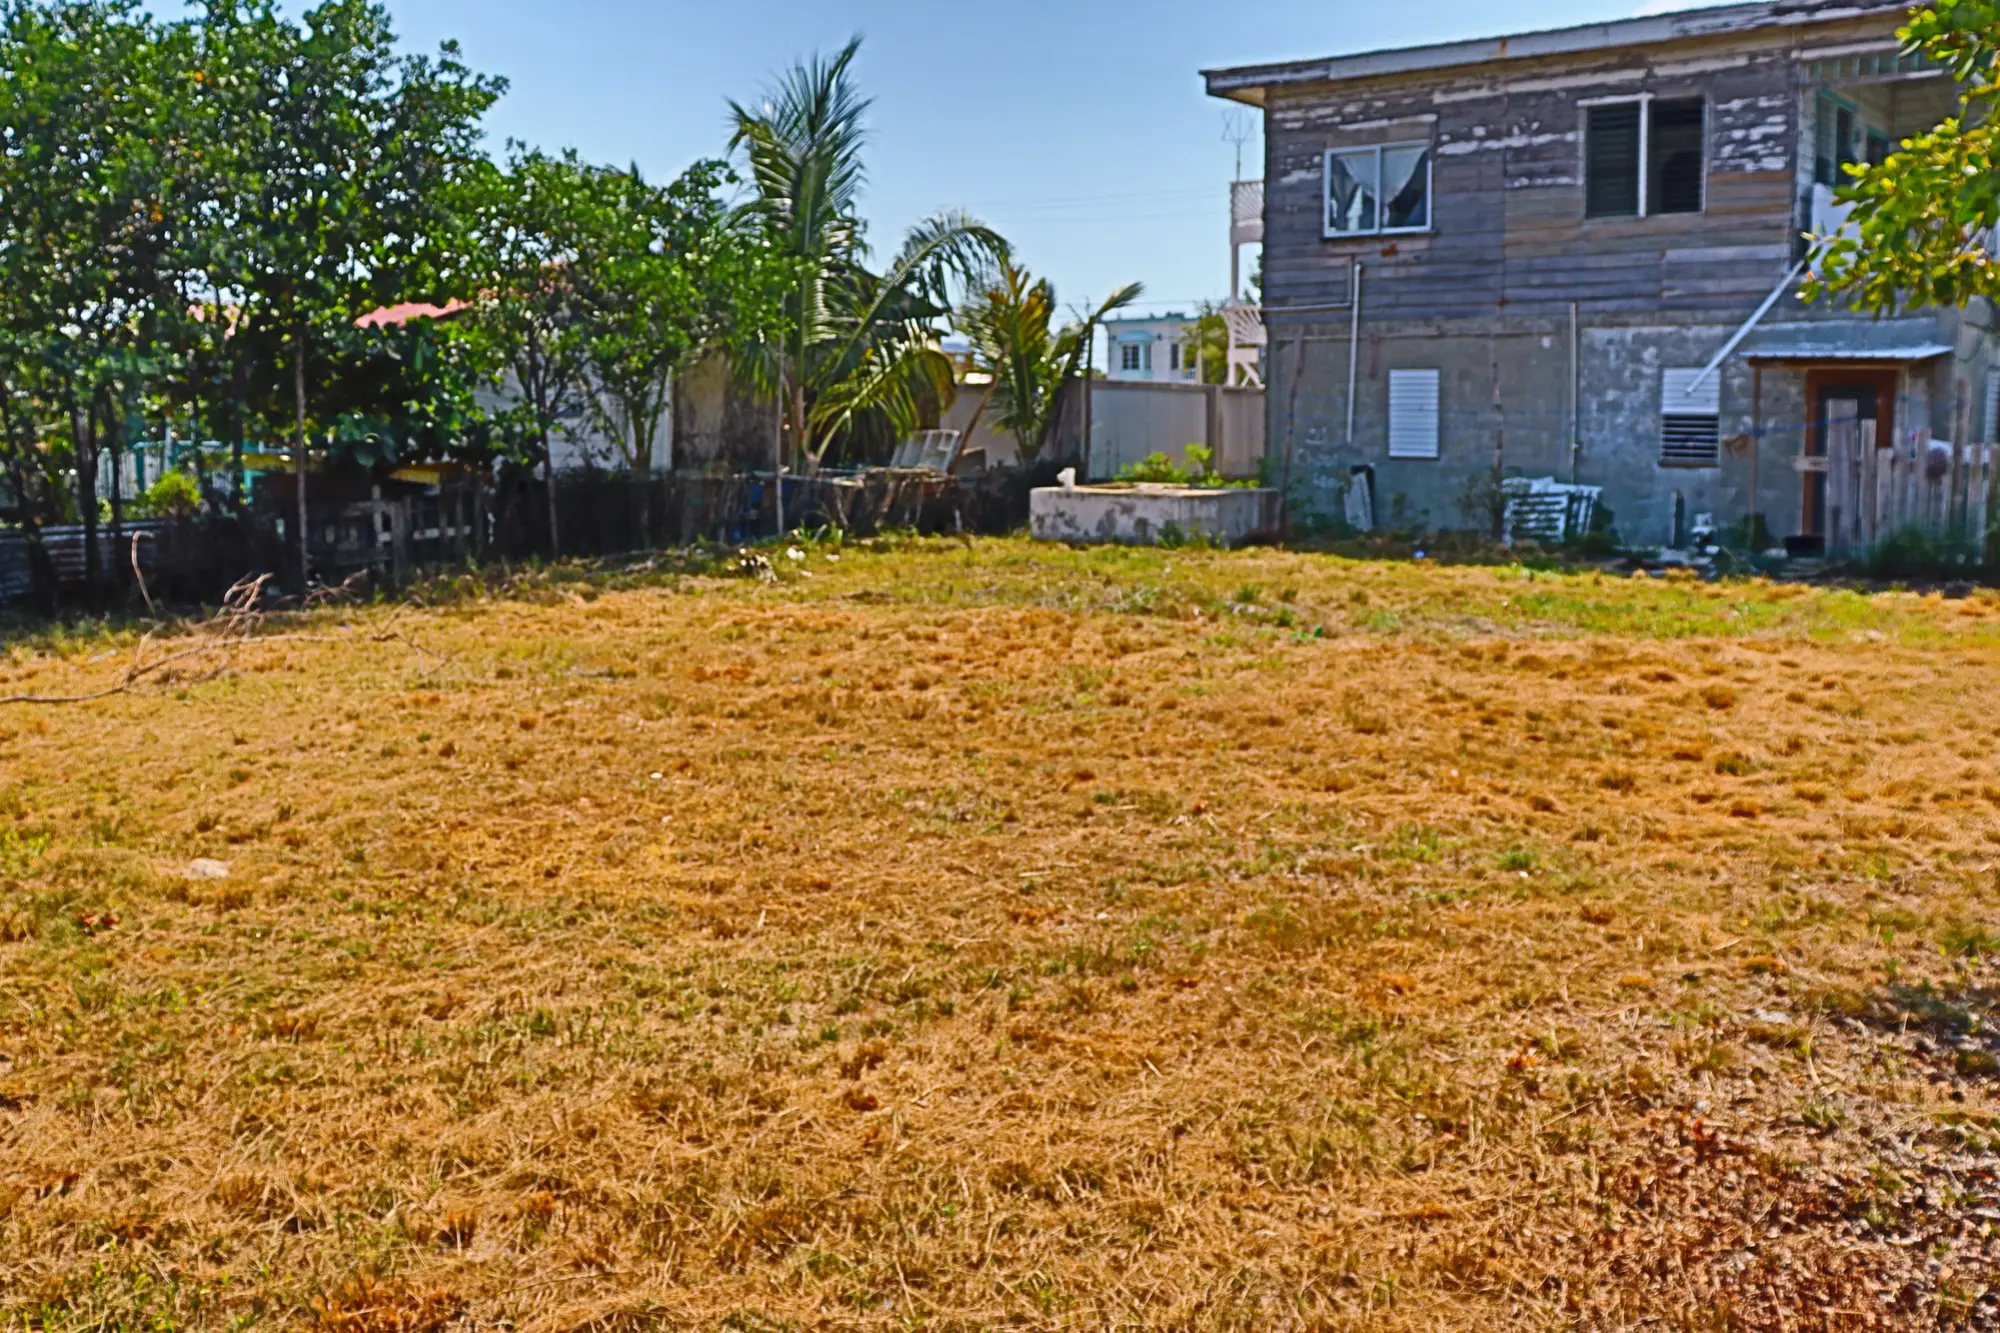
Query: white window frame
{"points": [[1429, 148], [1676, 401], [1645, 102], [1128, 358], [1413, 387]]}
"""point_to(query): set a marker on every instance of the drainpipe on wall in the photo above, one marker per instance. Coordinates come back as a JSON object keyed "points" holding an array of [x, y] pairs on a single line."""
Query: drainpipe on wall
{"points": [[1291, 423], [1743, 332], [1353, 349], [1575, 399]]}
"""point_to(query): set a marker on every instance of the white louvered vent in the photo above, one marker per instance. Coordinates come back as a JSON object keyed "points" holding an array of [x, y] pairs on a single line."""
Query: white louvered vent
{"points": [[1690, 419], [1413, 414]]}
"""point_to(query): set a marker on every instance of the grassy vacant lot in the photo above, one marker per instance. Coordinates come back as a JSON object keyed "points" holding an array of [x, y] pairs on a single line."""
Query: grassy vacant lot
{"points": [[974, 936]]}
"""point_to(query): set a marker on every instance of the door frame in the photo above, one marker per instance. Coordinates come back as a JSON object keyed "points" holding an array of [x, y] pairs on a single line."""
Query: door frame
{"points": [[1887, 385]]}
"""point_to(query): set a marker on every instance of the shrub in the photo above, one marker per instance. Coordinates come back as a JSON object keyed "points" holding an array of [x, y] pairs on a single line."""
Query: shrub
{"points": [[1199, 470], [1920, 554], [174, 495]]}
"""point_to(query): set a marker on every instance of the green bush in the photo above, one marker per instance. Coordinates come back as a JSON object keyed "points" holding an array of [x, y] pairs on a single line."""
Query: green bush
{"points": [[1198, 470], [1916, 553], [174, 495]]}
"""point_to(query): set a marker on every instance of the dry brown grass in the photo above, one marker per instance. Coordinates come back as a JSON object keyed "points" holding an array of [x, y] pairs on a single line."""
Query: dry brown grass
{"points": [[985, 936]]}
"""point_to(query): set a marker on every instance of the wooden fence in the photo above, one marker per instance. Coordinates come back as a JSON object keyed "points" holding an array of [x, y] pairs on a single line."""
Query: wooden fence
{"points": [[1876, 489], [398, 534]]}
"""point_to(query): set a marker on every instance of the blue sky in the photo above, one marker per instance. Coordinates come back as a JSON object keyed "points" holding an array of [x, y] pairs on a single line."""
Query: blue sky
{"points": [[1077, 128]]}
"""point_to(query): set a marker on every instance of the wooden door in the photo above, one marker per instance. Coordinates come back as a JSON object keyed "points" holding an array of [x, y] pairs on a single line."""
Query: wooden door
{"points": [[1844, 409]]}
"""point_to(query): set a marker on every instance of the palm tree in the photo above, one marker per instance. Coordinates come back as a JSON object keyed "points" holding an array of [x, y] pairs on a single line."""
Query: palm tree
{"points": [[1009, 317], [856, 345]]}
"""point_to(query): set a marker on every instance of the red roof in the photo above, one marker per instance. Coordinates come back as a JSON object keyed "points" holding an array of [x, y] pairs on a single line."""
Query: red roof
{"points": [[395, 316]]}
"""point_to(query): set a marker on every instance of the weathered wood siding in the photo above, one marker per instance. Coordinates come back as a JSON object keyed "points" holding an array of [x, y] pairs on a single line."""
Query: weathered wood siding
{"points": [[1508, 231]]}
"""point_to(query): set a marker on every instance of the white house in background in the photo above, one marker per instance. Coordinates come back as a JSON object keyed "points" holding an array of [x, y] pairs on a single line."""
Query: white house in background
{"points": [[1159, 348]]}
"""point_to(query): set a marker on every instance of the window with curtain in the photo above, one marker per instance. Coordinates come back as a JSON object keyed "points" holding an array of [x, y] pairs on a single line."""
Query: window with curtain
{"points": [[1383, 188]]}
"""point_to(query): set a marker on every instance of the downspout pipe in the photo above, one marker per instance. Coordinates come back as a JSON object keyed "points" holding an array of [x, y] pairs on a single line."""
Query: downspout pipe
{"points": [[1353, 352], [1575, 396], [1736, 338]]}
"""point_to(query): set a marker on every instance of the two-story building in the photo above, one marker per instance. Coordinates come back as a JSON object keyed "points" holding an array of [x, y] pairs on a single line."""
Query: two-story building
{"points": [[1158, 349], [1526, 254]]}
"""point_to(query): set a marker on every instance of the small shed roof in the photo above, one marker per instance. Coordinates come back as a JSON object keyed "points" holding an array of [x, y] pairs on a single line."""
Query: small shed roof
{"points": [[1829, 351]]}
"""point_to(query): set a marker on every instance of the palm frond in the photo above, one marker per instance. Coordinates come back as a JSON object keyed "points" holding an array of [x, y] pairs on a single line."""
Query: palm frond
{"points": [[803, 146], [897, 377]]}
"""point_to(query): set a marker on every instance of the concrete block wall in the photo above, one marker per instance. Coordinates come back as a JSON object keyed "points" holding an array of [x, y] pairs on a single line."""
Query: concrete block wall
{"points": [[1506, 389]]}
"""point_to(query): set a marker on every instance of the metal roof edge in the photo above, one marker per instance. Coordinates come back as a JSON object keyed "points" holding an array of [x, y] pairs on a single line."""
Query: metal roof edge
{"points": [[1231, 81]]}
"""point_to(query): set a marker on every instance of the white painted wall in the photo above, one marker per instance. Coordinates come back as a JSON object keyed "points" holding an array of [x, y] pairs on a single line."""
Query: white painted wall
{"points": [[578, 443], [1160, 337]]}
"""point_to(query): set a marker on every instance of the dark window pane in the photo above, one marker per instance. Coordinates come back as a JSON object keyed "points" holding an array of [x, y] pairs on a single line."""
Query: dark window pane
{"points": [[1611, 160], [1406, 187], [1352, 189], [1677, 150]]}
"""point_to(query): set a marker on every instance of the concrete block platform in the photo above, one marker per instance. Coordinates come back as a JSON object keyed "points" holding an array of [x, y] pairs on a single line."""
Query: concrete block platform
{"points": [[1144, 512]]}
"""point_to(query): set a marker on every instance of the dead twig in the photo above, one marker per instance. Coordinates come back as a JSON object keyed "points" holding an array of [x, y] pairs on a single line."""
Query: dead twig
{"points": [[140, 574], [235, 623], [133, 675]]}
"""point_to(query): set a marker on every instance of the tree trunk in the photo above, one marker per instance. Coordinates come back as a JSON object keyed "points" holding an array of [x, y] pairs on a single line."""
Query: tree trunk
{"points": [[549, 488], [299, 406], [86, 503], [41, 570], [645, 428], [538, 391], [115, 428], [801, 446], [239, 421], [194, 438], [642, 502], [972, 426]]}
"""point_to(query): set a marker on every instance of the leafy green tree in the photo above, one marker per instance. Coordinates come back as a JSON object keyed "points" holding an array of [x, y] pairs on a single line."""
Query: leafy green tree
{"points": [[1009, 318], [529, 223], [83, 170], [343, 181], [1926, 217], [653, 276], [1208, 343], [856, 344]]}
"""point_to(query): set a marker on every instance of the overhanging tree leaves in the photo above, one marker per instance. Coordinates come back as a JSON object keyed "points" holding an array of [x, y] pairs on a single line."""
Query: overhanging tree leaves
{"points": [[1926, 216]]}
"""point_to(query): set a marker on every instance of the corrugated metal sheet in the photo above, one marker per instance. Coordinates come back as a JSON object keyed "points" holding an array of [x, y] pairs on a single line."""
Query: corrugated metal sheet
{"points": [[1832, 351], [65, 546]]}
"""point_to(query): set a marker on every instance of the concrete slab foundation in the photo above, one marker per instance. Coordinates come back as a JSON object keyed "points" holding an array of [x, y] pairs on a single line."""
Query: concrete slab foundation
{"points": [[1145, 513]]}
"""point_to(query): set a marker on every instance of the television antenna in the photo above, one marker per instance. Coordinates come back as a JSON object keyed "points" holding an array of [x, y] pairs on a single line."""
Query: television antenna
{"points": [[1239, 127]]}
